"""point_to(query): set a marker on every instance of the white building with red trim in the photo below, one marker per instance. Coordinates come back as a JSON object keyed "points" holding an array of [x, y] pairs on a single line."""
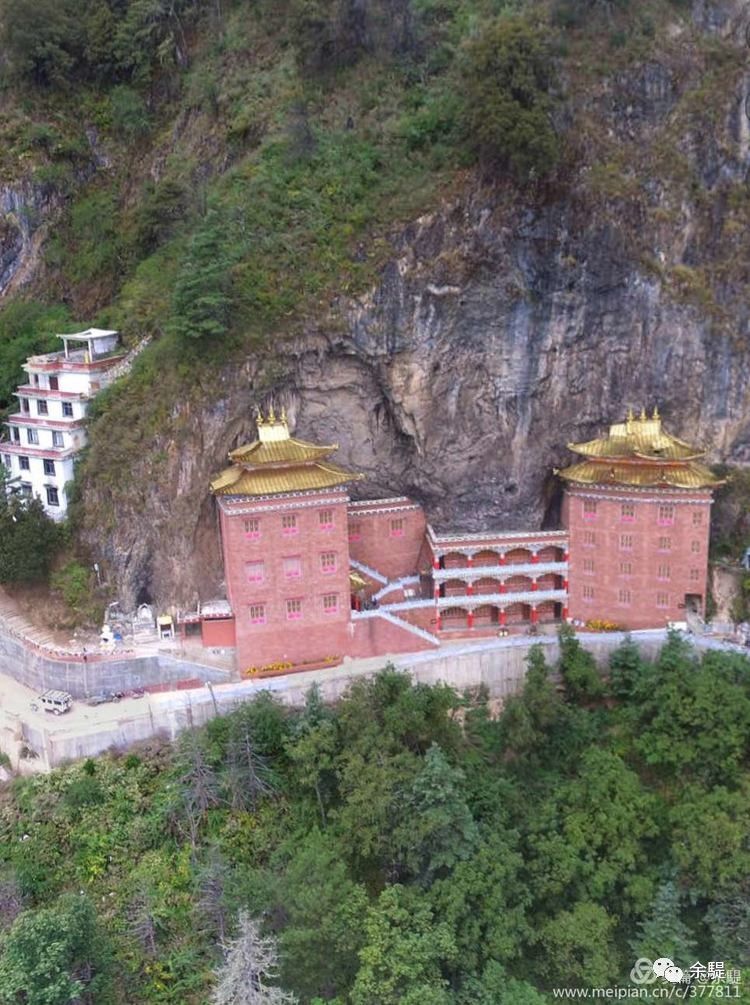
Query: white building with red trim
{"points": [[48, 431]]}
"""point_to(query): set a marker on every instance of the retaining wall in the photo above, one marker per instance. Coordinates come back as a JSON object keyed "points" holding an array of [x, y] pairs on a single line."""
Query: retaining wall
{"points": [[38, 671], [498, 665]]}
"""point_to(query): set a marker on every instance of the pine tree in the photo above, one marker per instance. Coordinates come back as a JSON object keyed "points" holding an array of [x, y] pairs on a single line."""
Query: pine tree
{"points": [[663, 932], [251, 962], [201, 299]]}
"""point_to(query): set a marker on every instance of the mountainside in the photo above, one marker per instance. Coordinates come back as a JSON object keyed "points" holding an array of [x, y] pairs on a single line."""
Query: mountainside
{"points": [[327, 207]]}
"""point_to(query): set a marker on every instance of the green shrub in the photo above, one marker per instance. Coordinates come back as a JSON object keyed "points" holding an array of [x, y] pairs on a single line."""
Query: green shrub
{"points": [[508, 79]]}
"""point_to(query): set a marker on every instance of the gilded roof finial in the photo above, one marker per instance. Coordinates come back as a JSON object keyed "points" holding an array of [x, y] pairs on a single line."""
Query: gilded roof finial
{"points": [[643, 415], [260, 417], [283, 414], [271, 414], [656, 412], [630, 415]]}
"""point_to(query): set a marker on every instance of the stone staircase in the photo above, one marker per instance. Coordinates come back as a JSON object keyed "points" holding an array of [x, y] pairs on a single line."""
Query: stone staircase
{"points": [[386, 615], [372, 573]]}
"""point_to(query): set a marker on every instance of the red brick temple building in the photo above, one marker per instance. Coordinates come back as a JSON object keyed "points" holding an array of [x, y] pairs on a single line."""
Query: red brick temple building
{"points": [[638, 512], [312, 576]]}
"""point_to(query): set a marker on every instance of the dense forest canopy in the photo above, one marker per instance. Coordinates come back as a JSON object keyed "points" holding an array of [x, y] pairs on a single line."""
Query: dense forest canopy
{"points": [[403, 847]]}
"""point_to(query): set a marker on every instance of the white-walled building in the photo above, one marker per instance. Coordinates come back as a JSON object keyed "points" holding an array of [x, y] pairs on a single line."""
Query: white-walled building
{"points": [[48, 431]]}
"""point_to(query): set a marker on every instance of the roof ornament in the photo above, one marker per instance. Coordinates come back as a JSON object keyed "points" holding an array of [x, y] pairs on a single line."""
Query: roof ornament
{"points": [[271, 415], [630, 416], [261, 420], [656, 412], [643, 415]]}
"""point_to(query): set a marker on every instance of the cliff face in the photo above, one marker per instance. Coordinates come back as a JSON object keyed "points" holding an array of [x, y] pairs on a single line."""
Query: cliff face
{"points": [[505, 324]]}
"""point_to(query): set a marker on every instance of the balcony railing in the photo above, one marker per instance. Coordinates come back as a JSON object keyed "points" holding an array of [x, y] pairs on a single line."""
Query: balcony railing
{"points": [[471, 573]]}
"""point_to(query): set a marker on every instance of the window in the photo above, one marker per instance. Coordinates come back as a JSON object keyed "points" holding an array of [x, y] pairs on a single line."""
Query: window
{"points": [[293, 610], [25, 407], [588, 565], [67, 409], [52, 497], [41, 407], [57, 439], [397, 527], [662, 600], [663, 572], [325, 519], [252, 529], [16, 434], [627, 511], [589, 509], [626, 568], [257, 614], [330, 603], [289, 524], [695, 547], [32, 436], [589, 538], [292, 567], [255, 571], [666, 513], [25, 490], [588, 592], [36, 380], [23, 463], [7, 461], [54, 384], [697, 518], [695, 574], [49, 467], [626, 542], [665, 544], [624, 596], [355, 531], [328, 562]]}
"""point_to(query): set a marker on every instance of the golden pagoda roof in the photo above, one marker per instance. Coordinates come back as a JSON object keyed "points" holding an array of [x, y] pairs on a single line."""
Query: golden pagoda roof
{"points": [[690, 475], [641, 437], [277, 463], [239, 481]]}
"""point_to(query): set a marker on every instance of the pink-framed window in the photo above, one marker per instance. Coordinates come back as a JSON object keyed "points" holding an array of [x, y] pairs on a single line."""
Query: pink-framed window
{"points": [[397, 527], [589, 509], [695, 574], [695, 547], [665, 544], [662, 600], [252, 529], [627, 512], [330, 603], [666, 513], [292, 566], [328, 562], [624, 597], [257, 614], [355, 531], [588, 565], [587, 592], [663, 572], [589, 538], [289, 524], [626, 542], [626, 568], [325, 519], [255, 572], [293, 610], [697, 518]]}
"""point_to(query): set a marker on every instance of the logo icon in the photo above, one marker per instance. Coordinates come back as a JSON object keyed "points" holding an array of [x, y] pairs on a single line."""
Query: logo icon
{"points": [[643, 971]]}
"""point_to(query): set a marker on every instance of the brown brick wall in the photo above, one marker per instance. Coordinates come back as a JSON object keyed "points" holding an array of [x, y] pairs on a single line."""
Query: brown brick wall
{"points": [[392, 550], [636, 570], [314, 634]]}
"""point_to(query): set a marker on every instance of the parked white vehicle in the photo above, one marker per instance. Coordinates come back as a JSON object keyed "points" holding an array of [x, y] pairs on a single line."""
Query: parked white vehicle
{"points": [[52, 701]]}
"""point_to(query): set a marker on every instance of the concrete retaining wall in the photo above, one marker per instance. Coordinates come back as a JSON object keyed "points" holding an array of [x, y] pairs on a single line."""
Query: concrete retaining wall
{"points": [[498, 665], [38, 671]]}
